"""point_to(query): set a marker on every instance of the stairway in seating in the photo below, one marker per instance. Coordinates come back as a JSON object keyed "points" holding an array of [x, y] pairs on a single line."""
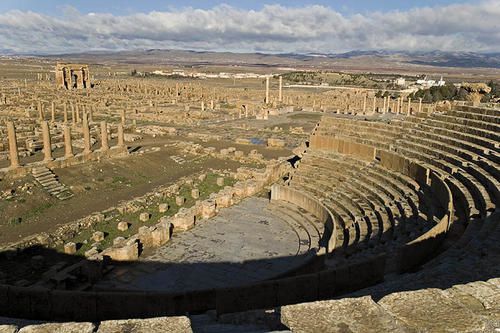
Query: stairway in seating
{"points": [[50, 183]]}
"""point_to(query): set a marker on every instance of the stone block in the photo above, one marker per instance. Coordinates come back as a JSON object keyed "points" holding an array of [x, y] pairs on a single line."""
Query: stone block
{"points": [[160, 234], [144, 217], [180, 200], [183, 220], [122, 226], [208, 209], [224, 199], [202, 177], [220, 181], [195, 193], [70, 248], [98, 236], [59, 328], [163, 207]]}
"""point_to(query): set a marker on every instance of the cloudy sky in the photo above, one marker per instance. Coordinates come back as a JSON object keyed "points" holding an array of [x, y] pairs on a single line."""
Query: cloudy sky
{"points": [[54, 26]]}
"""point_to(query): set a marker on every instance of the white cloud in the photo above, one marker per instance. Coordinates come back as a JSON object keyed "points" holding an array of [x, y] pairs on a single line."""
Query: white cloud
{"points": [[274, 28]]}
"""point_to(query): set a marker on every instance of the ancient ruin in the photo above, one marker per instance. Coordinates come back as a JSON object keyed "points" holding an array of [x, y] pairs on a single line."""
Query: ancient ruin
{"points": [[72, 76], [243, 204]]}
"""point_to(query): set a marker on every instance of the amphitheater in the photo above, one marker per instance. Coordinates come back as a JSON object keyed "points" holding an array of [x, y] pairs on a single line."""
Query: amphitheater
{"points": [[379, 222]]}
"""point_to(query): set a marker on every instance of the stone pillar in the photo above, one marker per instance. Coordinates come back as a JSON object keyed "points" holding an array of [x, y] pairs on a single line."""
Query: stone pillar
{"points": [[53, 112], [40, 110], [383, 107], [364, 104], [420, 105], [65, 113], [121, 139], [267, 90], [73, 114], [123, 117], [374, 104], [13, 154], [87, 147], [47, 148], [409, 106], [280, 92], [77, 111], [202, 106], [104, 136], [68, 148]]}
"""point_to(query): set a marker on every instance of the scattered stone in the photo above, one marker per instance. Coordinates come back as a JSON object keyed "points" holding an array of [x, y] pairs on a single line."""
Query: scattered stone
{"points": [[122, 226], [70, 248]]}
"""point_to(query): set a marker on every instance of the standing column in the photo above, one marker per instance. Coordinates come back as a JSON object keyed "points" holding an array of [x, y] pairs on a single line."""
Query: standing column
{"points": [[65, 113], [53, 112], [267, 90], [68, 148], [383, 107], [77, 111], [47, 148], [13, 154], [104, 136], [374, 104], [409, 106], [40, 110], [202, 106], [123, 117], [121, 139], [280, 92], [87, 148], [364, 104], [420, 105], [211, 104]]}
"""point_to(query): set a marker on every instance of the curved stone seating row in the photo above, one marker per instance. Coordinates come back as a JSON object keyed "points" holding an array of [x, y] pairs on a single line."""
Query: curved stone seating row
{"points": [[368, 206], [304, 225]]}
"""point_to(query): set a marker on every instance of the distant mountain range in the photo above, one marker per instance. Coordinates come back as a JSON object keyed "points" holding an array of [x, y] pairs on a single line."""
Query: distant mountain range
{"points": [[380, 58]]}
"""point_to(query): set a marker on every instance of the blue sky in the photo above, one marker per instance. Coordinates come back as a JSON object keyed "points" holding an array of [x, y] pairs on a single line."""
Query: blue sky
{"points": [[319, 26], [53, 7]]}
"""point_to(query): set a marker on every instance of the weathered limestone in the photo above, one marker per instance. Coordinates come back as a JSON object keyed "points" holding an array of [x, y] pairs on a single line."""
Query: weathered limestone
{"points": [[104, 136], [86, 136], [152, 325], [47, 147], [409, 106], [374, 108], [72, 76], [13, 152], [98, 236], [121, 137], [179, 200], [59, 328], [122, 226], [267, 90], [220, 181], [70, 248], [208, 209], [195, 193], [68, 148], [53, 112], [65, 113], [143, 217], [183, 220], [280, 92], [163, 207], [420, 105]]}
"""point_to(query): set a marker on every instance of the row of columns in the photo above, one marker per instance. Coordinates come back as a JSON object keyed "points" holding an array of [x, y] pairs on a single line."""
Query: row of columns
{"points": [[280, 90], [398, 105], [75, 112], [68, 148]]}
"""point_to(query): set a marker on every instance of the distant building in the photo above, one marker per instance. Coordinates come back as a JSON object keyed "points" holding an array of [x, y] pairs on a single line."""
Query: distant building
{"points": [[400, 81], [431, 83]]}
